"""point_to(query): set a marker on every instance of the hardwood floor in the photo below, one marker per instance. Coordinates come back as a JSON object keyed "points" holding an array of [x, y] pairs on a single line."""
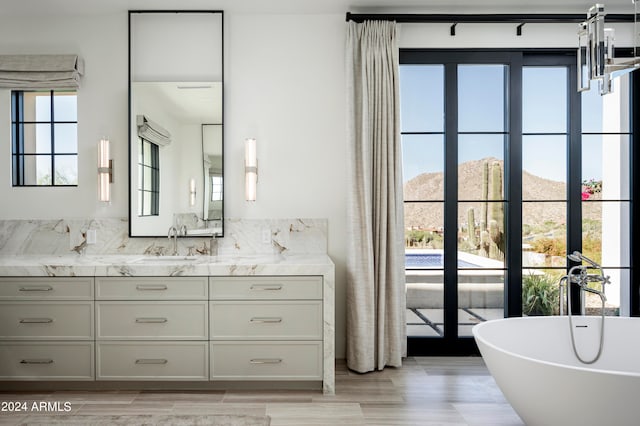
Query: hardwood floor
{"points": [[425, 391]]}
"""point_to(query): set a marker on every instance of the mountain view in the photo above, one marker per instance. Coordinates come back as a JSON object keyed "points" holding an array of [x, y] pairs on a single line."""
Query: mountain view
{"points": [[430, 186]]}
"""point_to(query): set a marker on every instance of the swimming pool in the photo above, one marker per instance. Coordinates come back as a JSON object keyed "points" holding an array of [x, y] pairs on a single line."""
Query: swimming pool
{"points": [[430, 260]]}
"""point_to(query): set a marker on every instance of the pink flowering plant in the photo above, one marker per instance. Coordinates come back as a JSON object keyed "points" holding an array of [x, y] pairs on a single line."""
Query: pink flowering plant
{"points": [[590, 187]]}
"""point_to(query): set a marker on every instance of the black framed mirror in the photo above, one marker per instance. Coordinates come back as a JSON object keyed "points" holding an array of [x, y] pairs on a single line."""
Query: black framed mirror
{"points": [[176, 124]]}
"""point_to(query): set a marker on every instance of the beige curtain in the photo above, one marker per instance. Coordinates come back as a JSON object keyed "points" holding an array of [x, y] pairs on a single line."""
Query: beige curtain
{"points": [[376, 330]]}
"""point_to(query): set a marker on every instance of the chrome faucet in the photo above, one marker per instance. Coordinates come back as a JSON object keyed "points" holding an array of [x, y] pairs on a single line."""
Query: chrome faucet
{"points": [[213, 246], [584, 278], [579, 275], [173, 232], [183, 230]]}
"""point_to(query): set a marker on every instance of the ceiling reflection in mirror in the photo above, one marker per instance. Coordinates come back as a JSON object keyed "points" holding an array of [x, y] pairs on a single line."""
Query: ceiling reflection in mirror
{"points": [[176, 131]]}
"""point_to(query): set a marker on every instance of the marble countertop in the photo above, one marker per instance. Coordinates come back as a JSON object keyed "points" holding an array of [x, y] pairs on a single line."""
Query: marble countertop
{"points": [[141, 265]]}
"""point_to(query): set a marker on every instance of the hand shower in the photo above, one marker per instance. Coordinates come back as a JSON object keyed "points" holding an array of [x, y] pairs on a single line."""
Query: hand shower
{"points": [[576, 256]]}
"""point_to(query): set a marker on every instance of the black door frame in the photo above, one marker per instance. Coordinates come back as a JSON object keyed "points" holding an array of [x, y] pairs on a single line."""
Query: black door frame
{"points": [[515, 59]]}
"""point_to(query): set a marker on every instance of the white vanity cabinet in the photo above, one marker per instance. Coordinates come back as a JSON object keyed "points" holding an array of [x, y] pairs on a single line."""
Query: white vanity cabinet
{"points": [[152, 328], [266, 328], [46, 328], [268, 319]]}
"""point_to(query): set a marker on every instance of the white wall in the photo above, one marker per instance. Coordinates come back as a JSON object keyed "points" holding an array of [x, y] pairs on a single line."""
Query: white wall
{"points": [[284, 85], [102, 111], [284, 78]]}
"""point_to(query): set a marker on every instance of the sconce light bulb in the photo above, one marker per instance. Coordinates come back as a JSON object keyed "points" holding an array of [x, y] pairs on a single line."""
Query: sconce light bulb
{"points": [[192, 192], [250, 154], [250, 169], [105, 190], [103, 153], [105, 170]]}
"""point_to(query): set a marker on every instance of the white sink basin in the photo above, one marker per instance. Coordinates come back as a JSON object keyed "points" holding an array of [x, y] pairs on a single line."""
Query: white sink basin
{"points": [[152, 259], [206, 232]]}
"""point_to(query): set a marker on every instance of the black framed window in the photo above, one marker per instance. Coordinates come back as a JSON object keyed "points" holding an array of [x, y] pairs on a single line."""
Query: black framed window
{"points": [[149, 178], [44, 138], [505, 168]]}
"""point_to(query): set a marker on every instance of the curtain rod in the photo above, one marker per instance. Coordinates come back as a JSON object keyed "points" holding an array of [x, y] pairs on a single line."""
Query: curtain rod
{"points": [[543, 18]]}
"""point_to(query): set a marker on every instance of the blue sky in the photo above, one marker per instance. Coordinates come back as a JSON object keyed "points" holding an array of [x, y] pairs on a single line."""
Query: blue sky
{"points": [[65, 108], [481, 109]]}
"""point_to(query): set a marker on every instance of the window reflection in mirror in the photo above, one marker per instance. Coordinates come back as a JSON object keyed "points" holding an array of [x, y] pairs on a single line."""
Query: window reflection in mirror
{"points": [[212, 171], [148, 178], [179, 125]]}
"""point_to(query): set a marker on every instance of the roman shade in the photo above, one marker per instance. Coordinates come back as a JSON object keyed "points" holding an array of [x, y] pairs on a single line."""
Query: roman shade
{"points": [[151, 131], [34, 72]]}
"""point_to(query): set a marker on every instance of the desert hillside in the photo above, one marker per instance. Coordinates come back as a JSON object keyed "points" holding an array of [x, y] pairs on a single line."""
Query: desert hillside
{"points": [[430, 186]]}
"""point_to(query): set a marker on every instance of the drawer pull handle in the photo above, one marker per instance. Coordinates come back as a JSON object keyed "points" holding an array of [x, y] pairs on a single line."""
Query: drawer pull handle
{"points": [[37, 288], [151, 320], [151, 361], [266, 361], [272, 320], [145, 287], [266, 287], [36, 361], [36, 321]]}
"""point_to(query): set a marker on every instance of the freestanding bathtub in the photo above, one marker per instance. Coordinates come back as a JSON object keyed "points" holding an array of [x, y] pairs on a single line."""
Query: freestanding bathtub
{"points": [[533, 363]]}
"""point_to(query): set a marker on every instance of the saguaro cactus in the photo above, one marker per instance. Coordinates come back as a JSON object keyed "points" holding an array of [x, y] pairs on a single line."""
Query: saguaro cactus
{"points": [[495, 193], [485, 242], [492, 241], [485, 195], [471, 228], [496, 250]]}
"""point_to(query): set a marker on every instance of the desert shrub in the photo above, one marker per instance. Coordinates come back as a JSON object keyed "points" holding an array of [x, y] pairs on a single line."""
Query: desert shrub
{"points": [[422, 238], [592, 248], [550, 246], [540, 294]]}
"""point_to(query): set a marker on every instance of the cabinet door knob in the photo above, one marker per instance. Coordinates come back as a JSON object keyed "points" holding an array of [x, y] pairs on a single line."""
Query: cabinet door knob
{"points": [[151, 320], [36, 321], [265, 361], [151, 361], [268, 320], [36, 288], [151, 287], [36, 361], [266, 287]]}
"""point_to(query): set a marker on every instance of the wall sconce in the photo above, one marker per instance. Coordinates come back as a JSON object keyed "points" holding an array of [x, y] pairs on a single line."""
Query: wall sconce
{"points": [[105, 171], [250, 170], [192, 192]]}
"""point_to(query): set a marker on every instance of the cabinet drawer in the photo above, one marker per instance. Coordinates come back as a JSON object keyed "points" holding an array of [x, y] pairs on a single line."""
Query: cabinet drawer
{"points": [[46, 320], [46, 288], [152, 361], [152, 320], [160, 288], [46, 361], [266, 360], [265, 288], [289, 320]]}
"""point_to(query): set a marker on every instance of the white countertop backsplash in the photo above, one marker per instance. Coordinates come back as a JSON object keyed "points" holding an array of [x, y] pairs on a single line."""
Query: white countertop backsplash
{"points": [[137, 265], [242, 237]]}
